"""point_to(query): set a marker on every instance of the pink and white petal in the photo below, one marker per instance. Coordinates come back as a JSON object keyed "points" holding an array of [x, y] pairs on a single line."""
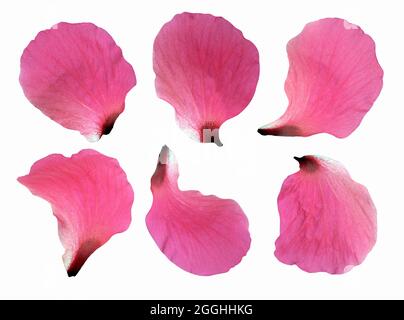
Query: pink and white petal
{"points": [[204, 235], [206, 70], [76, 75], [328, 221], [334, 78], [90, 197]]}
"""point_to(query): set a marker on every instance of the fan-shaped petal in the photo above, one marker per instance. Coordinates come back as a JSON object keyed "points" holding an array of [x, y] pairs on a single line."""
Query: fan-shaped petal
{"points": [[90, 197]]}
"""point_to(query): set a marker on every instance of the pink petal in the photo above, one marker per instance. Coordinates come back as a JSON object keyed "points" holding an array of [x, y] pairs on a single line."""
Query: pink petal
{"points": [[334, 79], [204, 235], [76, 75], [90, 197], [206, 70], [328, 221]]}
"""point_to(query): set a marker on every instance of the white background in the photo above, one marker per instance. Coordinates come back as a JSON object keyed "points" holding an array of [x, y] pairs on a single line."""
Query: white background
{"points": [[249, 168]]}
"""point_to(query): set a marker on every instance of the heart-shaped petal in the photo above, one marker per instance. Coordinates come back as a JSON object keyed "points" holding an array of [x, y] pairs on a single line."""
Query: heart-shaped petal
{"points": [[206, 70], [328, 221], [76, 75]]}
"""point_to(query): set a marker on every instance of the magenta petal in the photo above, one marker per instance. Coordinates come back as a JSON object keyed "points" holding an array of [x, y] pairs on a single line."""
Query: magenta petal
{"points": [[334, 79], [90, 197], [206, 70], [76, 75], [204, 235], [328, 221]]}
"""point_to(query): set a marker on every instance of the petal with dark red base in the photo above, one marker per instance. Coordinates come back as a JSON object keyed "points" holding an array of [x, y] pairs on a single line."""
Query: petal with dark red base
{"points": [[334, 78], [206, 70], [90, 197], [76, 75], [204, 235], [328, 221]]}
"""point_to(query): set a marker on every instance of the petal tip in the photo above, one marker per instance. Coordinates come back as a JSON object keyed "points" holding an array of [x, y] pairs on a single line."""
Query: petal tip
{"points": [[74, 263], [93, 137], [107, 129], [307, 163], [109, 124], [286, 131], [210, 134], [165, 155], [165, 158]]}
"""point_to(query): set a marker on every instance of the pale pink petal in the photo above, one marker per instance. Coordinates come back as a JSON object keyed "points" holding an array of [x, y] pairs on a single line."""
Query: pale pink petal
{"points": [[204, 235], [328, 221], [90, 197], [76, 75], [334, 79], [206, 70]]}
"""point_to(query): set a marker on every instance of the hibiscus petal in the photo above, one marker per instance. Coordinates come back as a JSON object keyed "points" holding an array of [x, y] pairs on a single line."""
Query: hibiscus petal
{"points": [[204, 235], [76, 75], [90, 197], [334, 79], [206, 70], [328, 221]]}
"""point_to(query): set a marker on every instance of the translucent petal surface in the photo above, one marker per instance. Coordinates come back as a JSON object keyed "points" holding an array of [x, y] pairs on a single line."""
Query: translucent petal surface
{"points": [[90, 197], [204, 235], [76, 75], [328, 221], [333, 80], [206, 70]]}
